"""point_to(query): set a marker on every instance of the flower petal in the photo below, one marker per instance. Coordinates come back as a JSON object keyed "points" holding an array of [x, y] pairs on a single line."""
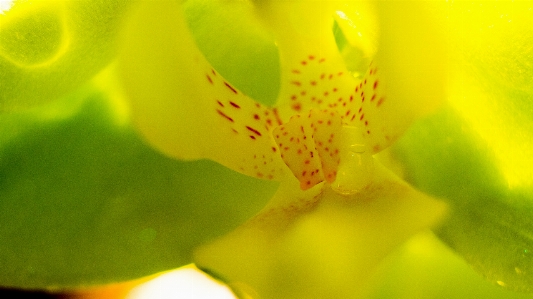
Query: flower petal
{"points": [[48, 47], [187, 109], [320, 246], [313, 73], [411, 62], [310, 146], [412, 66]]}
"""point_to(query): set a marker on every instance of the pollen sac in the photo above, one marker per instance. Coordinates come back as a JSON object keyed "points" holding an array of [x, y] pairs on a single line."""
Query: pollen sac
{"points": [[297, 149], [355, 171]]}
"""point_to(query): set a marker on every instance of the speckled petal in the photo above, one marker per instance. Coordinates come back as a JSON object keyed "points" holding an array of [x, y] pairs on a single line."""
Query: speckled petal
{"points": [[313, 73], [186, 108]]}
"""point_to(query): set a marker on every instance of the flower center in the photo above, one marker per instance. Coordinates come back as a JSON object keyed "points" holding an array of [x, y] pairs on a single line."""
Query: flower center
{"points": [[356, 167], [317, 147]]}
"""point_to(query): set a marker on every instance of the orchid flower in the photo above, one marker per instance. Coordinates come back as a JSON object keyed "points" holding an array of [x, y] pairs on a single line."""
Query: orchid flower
{"points": [[317, 140], [296, 189]]}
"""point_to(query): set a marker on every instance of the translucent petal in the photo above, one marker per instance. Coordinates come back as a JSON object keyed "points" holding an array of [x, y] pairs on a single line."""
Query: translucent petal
{"points": [[34, 35], [187, 109], [48, 47], [359, 25], [411, 61], [477, 153], [411, 76], [320, 246], [313, 73]]}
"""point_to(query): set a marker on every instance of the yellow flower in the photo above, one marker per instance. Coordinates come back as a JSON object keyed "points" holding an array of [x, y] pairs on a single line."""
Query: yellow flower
{"points": [[330, 91], [317, 140]]}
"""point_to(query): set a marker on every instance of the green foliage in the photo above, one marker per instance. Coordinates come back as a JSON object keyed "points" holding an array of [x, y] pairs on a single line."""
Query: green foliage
{"points": [[490, 225], [84, 201]]}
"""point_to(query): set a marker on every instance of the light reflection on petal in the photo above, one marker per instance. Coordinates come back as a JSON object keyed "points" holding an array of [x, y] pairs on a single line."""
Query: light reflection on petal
{"points": [[186, 283], [5, 5]]}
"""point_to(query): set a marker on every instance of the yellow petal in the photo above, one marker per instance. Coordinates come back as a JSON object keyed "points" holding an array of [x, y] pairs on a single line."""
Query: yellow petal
{"points": [[23, 47], [411, 61], [183, 106], [320, 246], [359, 25], [298, 151], [310, 146], [313, 74]]}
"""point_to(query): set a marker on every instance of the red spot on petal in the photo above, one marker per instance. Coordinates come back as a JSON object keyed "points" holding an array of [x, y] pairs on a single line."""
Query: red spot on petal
{"points": [[225, 116], [230, 87], [235, 105], [253, 131], [276, 114]]}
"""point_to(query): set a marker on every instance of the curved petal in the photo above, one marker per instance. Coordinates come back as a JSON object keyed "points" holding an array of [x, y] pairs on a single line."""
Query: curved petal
{"points": [[359, 25], [320, 246], [187, 109], [313, 74], [48, 47], [412, 65], [411, 62]]}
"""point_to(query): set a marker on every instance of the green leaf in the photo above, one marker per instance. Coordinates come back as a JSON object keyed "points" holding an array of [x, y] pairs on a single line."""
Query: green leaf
{"points": [[84, 201], [490, 225], [476, 152], [48, 48], [424, 267]]}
